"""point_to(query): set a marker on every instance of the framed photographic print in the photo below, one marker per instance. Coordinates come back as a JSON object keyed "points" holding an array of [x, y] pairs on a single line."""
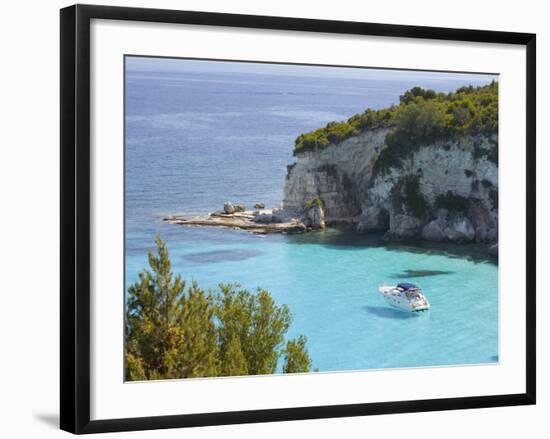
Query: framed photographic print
{"points": [[267, 218]]}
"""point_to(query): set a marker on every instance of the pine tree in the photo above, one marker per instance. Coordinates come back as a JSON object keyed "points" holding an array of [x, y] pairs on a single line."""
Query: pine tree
{"points": [[269, 325], [257, 322], [169, 333], [296, 356], [196, 354], [134, 368], [234, 362], [174, 331]]}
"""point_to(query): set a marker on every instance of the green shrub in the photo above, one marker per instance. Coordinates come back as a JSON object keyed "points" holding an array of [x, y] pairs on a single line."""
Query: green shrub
{"points": [[311, 141], [416, 92], [315, 202], [338, 131]]}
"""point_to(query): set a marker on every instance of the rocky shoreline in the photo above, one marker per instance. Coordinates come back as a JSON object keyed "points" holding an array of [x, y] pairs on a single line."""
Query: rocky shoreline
{"points": [[422, 178], [446, 228], [442, 192], [260, 220]]}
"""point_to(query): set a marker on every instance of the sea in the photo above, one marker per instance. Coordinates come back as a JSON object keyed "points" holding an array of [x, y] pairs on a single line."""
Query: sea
{"points": [[199, 133]]}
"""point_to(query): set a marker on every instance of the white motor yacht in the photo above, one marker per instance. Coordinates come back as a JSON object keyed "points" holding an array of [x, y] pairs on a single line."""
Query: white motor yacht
{"points": [[405, 296]]}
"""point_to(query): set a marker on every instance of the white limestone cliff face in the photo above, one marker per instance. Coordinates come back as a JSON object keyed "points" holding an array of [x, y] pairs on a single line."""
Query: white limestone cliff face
{"points": [[342, 176], [334, 174]]}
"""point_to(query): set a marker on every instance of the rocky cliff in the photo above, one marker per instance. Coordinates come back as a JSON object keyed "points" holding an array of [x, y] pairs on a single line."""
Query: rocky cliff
{"points": [[441, 191]]}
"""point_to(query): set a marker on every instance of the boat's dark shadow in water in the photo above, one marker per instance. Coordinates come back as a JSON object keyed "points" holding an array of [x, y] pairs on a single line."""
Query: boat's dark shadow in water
{"points": [[390, 313], [346, 238], [419, 273]]}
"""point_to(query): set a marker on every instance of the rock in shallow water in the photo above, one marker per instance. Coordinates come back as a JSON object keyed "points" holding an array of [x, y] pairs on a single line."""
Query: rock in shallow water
{"points": [[230, 208]]}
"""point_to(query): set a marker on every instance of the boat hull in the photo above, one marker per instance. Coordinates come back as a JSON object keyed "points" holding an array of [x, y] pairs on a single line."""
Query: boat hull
{"points": [[401, 302]]}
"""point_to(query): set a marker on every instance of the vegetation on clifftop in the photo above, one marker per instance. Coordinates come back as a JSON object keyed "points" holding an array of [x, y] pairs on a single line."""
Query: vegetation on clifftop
{"points": [[421, 117]]}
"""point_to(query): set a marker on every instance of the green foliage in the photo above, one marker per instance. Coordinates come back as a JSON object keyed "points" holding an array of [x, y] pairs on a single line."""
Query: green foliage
{"points": [[419, 122], [315, 202], [373, 119], [422, 121], [452, 202], [233, 360], [256, 322], [333, 132], [179, 331], [296, 356], [406, 194], [422, 117], [169, 331], [414, 93], [336, 132], [134, 368]]}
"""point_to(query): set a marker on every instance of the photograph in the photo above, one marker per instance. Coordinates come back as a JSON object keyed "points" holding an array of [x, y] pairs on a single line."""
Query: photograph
{"points": [[280, 219], [294, 218]]}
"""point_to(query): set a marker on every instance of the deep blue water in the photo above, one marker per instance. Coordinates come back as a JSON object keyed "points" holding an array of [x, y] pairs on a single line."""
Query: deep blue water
{"points": [[195, 139]]}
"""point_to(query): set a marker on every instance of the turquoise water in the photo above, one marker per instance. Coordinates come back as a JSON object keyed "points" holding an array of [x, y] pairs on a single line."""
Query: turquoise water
{"points": [[196, 138]]}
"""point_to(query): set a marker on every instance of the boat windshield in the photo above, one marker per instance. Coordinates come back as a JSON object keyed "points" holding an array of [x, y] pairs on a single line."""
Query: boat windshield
{"points": [[407, 286], [414, 294]]}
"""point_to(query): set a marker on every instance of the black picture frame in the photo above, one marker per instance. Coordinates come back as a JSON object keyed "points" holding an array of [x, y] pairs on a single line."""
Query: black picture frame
{"points": [[75, 217]]}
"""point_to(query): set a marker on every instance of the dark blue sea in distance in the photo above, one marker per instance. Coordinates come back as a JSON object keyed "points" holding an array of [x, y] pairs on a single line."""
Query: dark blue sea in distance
{"points": [[199, 133]]}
